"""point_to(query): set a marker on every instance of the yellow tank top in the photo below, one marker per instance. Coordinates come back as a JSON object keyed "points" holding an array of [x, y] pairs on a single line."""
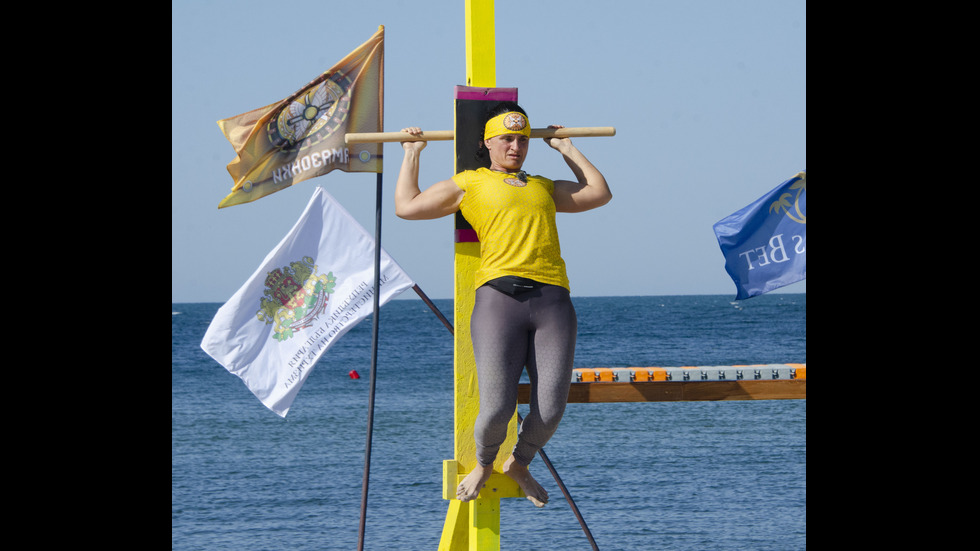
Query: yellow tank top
{"points": [[515, 222]]}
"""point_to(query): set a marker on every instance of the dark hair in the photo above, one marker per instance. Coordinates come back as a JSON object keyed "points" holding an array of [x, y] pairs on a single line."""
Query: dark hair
{"points": [[482, 155], [503, 107]]}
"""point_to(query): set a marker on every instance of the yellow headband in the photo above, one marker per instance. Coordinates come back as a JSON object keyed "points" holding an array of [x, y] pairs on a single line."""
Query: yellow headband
{"points": [[507, 123]]}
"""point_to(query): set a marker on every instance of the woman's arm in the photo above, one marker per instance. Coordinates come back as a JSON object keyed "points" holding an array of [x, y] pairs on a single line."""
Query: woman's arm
{"points": [[590, 189], [440, 199]]}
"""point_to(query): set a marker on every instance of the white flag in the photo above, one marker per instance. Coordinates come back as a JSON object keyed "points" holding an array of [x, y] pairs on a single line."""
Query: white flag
{"points": [[316, 285]]}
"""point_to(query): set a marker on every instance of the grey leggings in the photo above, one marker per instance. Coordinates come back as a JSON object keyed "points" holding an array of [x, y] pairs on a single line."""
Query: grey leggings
{"points": [[536, 330]]}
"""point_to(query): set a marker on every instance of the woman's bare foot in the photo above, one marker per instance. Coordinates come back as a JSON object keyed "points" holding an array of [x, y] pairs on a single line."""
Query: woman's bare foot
{"points": [[519, 474], [471, 485]]}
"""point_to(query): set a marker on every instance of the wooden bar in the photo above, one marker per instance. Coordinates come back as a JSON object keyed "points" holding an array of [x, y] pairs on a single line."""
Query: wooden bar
{"points": [[387, 137], [445, 135], [680, 391]]}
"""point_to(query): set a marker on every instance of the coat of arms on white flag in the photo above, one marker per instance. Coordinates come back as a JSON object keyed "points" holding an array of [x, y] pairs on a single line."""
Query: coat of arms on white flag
{"points": [[310, 290]]}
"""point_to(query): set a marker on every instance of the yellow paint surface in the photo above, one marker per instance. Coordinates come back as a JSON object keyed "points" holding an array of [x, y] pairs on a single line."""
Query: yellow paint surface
{"points": [[481, 62]]}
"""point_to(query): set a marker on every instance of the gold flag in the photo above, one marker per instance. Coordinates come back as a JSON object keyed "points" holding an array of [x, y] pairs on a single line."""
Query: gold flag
{"points": [[302, 136]]}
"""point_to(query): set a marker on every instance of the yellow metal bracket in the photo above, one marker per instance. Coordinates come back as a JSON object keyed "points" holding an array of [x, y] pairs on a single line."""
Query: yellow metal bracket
{"points": [[474, 525], [499, 485]]}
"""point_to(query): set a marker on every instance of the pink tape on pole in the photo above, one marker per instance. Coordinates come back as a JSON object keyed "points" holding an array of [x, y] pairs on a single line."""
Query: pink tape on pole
{"points": [[466, 236], [491, 94]]}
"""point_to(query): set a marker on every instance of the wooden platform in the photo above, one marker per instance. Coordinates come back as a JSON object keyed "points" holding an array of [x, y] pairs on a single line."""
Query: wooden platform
{"points": [[710, 383]]}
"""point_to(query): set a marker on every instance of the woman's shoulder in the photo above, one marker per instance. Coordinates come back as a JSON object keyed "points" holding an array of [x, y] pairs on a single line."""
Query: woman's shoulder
{"points": [[539, 177], [466, 177], [544, 181]]}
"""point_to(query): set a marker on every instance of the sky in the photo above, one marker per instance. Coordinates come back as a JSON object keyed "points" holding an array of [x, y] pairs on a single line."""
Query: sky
{"points": [[708, 98]]}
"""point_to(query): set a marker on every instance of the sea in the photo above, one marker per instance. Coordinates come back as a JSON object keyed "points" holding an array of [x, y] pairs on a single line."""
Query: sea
{"points": [[679, 476]]}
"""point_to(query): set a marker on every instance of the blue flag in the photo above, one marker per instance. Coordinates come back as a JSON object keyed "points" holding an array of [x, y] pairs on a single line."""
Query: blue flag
{"points": [[765, 243]]}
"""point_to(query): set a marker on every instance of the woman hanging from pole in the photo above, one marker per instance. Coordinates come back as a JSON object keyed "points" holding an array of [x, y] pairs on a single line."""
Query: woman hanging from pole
{"points": [[522, 315]]}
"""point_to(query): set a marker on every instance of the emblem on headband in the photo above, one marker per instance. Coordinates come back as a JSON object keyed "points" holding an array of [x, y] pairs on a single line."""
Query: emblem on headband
{"points": [[515, 122]]}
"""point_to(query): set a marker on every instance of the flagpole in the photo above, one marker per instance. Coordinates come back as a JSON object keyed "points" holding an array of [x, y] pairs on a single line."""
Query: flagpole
{"points": [[374, 363]]}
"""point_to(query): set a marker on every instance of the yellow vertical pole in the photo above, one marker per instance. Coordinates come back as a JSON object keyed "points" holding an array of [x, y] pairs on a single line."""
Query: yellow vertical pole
{"points": [[481, 57], [481, 533], [480, 71], [474, 525]]}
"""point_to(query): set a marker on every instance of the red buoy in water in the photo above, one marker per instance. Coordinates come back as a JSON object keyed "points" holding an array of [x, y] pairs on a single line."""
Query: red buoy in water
{"points": [[353, 374]]}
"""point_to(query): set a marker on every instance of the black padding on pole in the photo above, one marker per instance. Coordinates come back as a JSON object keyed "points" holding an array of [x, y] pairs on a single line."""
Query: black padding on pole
{"points": [[472, 106]]}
